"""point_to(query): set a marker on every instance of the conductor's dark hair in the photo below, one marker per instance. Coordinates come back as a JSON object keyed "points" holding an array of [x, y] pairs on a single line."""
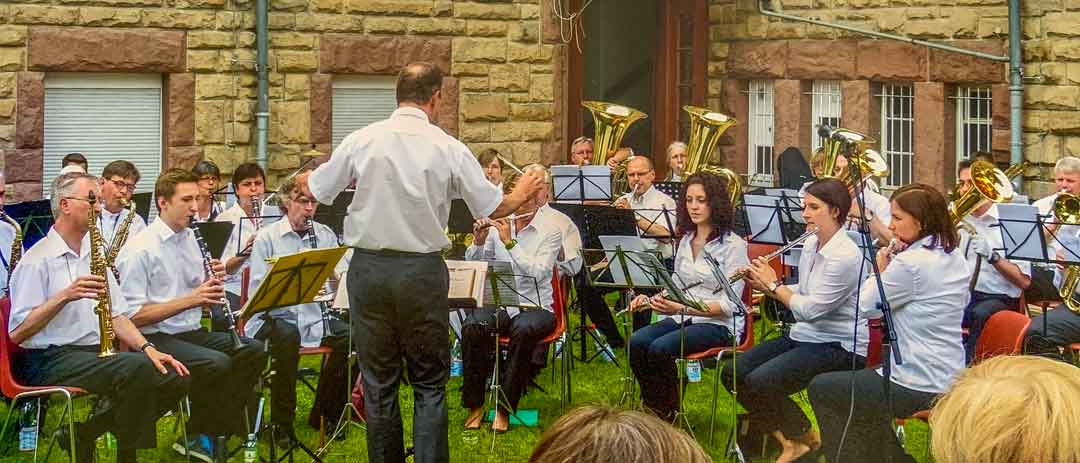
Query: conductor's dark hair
{"points": [[417, 83], [834, 194], [245, 171], [929, 207], [721, 214]]}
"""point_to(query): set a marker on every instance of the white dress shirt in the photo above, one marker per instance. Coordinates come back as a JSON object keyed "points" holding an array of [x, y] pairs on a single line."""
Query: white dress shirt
{"points": [[570, 258], [7, 237], [877, 204], [244, 226], [823, 302], [990, 280], [533, 258], [47, 268], [407, 171], [654, 201], [927, 290], [276, 240], [109, 223], [730, 253], [157, 266], [1046, 204]]}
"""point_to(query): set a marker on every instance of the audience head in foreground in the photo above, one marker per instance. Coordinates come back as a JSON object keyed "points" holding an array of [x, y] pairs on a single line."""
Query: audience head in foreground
{"points": [[600, 434], [1009, 409]]}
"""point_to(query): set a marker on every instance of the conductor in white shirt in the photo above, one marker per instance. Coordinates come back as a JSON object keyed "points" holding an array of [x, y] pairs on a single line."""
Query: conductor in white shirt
{"points": [[407, 171]]}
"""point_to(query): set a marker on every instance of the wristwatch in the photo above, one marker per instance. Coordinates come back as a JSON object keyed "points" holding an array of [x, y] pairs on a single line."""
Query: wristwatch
{"points": [[510, 244], [774, 286], [146, 345]]}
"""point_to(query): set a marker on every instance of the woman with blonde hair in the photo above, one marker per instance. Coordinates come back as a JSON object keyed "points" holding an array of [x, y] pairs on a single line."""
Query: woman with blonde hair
{"points": [[676, 161], [1009, 409], [598, 434]]}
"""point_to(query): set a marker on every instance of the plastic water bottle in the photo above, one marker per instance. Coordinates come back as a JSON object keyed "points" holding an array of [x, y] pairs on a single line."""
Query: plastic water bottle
{"points": [[28, 433], [693, 371], [606, 353], [559, 343], [456, 365], [110, 441], [251, 450]]}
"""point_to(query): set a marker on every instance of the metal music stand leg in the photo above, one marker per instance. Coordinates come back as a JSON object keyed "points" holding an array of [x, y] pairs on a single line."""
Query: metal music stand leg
{"points": [[348, 410], [629, 390], [498, 396], [680, 367]]}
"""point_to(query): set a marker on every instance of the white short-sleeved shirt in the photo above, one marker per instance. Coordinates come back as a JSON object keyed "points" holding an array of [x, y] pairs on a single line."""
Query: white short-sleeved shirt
{"points": [[823, 302], [276, 240], [730, 252], [109, 224], [159, 265], [49, 267], [927, 290], [990, 280], [654, 201], [407, 171]]}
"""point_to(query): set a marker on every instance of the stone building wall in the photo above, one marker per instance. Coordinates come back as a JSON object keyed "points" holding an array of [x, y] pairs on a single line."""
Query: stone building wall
{"points": [[747, 44], [503, 61]]}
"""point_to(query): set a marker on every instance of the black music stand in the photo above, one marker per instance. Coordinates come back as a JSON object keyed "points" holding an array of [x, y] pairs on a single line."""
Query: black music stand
{"points": [[292, 280], [581, 183], [341, 302], [142, 204], [216, 235], [766, 219], [240, 229], [673, 189], [333, 215], [34, 217]]}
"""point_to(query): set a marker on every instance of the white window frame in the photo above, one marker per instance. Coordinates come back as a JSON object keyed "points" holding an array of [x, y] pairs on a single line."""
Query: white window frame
{"points": [[898, 133], [762, 120], [825, 106], [976, 118], [352, 83]]}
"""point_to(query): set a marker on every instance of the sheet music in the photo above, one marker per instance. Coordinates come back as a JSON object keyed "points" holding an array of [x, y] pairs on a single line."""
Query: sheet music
{"points": [[641, 274], [507, 286], [764, 223], [570, 180], [467, 280]]}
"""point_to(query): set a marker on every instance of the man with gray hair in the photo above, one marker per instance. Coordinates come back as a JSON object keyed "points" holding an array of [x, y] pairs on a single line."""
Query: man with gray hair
{"points": [[1058, 237], [53, 301]]}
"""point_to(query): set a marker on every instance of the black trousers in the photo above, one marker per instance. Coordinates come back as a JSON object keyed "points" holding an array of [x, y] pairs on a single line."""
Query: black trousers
{"points": [[138, 393], [1062, 327], [767, 375], [478, 334], [870, 435], [979, 309], [653, 351], [222, 377], [336, 380], [399, 308], [592, 303]]}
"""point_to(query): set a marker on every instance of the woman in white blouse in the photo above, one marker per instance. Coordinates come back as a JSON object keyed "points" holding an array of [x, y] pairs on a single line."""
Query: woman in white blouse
{"points": [[925, 279], [825, 336], [704, 226]]}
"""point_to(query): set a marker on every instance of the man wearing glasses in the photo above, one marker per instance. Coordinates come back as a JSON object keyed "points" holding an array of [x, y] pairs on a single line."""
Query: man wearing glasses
{"points": [[118, 181]]}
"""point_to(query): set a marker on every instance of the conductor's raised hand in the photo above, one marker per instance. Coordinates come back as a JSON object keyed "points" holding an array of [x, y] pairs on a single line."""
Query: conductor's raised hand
{"points": [[528, 184], [84, 287], [302, 180]]}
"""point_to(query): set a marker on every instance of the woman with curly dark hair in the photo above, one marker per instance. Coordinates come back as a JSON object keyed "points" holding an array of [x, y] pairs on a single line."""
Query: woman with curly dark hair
{"points": [[704, 226]]}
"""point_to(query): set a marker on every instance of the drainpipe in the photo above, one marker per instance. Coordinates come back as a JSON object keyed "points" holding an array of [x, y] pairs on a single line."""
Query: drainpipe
{"points": [[262, 108], [1016, 85], [1016, 88]]}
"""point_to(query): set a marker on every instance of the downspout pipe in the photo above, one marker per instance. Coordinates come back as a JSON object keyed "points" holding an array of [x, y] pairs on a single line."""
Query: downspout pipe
{"points": [[262, 106], [1014, 58], [1016, 88]]}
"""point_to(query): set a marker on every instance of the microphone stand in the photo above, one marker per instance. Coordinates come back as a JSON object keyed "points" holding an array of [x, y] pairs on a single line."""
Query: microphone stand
{"points": [[889, 349]]}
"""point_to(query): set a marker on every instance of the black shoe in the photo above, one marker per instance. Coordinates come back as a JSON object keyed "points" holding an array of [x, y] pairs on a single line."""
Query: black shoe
{"points": [[84, 445]]}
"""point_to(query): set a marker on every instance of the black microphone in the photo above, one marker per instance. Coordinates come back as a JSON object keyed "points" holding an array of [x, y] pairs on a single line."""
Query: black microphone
{"points": [[824, 131]]}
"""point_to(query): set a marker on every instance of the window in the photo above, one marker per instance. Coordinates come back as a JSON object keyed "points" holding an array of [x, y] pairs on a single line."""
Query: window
{"points": [[972, 121], [106, 117], [761, 132], [897, 132], [359, 101], [825, 104]]}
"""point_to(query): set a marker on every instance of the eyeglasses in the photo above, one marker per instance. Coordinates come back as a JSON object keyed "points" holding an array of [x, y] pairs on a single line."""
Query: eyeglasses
{"points": [[76, 198], [123, 185], [304, 201]]}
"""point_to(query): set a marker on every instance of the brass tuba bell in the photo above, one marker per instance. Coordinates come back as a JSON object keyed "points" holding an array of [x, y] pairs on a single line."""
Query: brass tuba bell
{"points": [[1067, 211], [611, 121], [855, 147], [706, 127]]}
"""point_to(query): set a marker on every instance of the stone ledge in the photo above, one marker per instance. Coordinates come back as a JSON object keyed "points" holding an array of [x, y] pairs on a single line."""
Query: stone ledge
{"points": [[341, 53], [100, 49]]}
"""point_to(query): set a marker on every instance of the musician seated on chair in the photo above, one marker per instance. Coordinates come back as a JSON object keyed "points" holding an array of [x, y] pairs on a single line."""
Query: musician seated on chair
{"points": [[118, 181], [249, 185], [877, 206], [1066, 180], [1059, 327], [53, 301], [308, 325], [581, 151], [823, 304], [209, 178], [532, 247], [163, 280], [999, 281], [704, 225]]}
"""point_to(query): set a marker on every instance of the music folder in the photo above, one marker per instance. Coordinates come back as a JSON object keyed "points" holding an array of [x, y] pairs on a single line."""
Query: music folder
{"points": [[293, 279], [467, 279]]}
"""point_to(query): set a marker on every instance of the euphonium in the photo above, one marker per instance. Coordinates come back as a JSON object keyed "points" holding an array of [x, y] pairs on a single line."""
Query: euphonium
{"points": [[1067, 211], [99, 267], [853, 146], [706, 127], [120, 236], [988, 184], [16, 245], [611, 121]]}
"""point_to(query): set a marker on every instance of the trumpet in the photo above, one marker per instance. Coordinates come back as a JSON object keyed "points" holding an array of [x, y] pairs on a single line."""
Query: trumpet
{"points": [[741, 274]]}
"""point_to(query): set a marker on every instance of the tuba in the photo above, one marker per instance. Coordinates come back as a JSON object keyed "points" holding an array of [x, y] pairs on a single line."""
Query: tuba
{"points": [[611, 121], [706, 127], [16, 245], [988, 184], [1067, 211], [99, 266]]}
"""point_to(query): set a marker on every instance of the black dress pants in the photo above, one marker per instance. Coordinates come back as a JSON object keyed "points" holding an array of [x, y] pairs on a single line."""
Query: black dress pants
{"points": [[138, 392], [478, 333]]}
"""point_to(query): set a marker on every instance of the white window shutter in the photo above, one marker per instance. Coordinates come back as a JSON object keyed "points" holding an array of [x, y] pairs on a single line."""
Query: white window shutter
{"points": [[359, 101]]}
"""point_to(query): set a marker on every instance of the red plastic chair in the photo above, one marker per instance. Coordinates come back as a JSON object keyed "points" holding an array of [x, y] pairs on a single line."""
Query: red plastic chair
{"points": [[558, 305], [16, 392]]}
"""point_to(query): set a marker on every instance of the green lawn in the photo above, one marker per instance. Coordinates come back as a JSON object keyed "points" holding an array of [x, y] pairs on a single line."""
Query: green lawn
{"points": [[593, 383]]}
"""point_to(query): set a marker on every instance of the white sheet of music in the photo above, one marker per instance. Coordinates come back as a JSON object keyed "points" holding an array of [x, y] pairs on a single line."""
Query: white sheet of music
{"points": [[467, 278]]}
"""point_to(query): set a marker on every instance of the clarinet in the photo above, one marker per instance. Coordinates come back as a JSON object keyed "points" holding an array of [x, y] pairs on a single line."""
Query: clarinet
{"points": [[230, 317], [313, 241]]}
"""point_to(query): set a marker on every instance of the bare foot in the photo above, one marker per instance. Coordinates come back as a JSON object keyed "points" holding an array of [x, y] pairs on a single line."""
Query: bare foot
{"points": [[476, 416], [501, 422], [793, 449]]}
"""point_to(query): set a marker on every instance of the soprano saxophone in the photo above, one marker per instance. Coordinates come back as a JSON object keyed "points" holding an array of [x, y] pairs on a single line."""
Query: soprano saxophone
{"points": [[16, 245], [99, 266], [120, 236]]}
